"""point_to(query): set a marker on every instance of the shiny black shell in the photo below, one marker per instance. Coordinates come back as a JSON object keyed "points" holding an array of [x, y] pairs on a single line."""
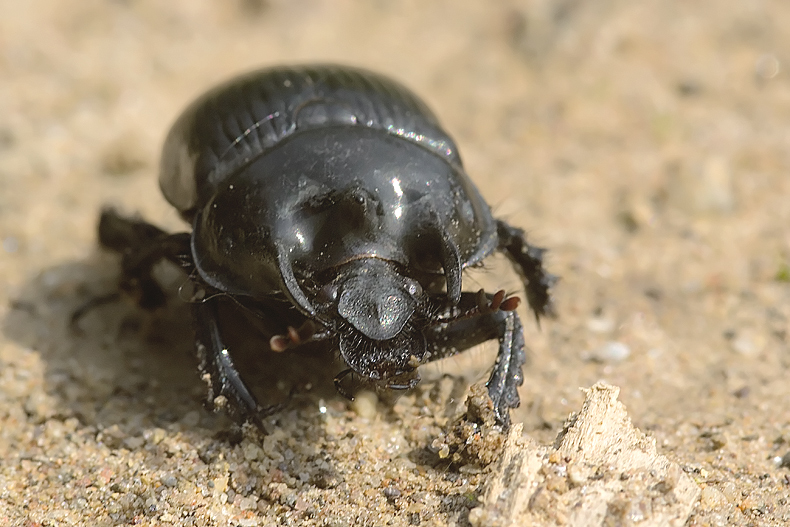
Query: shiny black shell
{"points": [[286, 173]]}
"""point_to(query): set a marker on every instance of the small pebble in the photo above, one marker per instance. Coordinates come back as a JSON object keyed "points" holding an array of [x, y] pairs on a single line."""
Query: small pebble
{"points": [[249, 503], [576, 475], [600, 325], [364, 404], [476, 517], [404, 463], [715, 192], [711, 498], [609, 352], [133, 443], [271, 447], [154, 436], [251, 451], [730, 492], [170, 481], [748, 342], [10, 244], [221, 484], [750, 503], [742, 393], [767, 67], [392, 493], [290, 500], [191, 419], [744, 345]]}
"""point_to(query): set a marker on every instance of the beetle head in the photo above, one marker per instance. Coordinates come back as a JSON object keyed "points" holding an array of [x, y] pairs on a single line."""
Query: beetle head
{"points": [[377, 309]]}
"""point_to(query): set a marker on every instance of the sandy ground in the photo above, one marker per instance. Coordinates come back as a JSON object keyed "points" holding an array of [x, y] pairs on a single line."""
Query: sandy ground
{"points": [[645, 143]]}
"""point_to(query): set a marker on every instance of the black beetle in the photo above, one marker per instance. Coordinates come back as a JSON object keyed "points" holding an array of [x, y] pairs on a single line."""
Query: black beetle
{"points": [[329, 202]]}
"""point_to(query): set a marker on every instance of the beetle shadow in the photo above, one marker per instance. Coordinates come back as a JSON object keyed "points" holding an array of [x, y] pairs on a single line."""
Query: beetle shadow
{"points": [[124, 372], [120, 366], [117, 365]]}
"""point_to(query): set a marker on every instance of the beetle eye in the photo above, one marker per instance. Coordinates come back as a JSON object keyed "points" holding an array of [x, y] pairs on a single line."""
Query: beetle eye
{"points": [[328, 293]]}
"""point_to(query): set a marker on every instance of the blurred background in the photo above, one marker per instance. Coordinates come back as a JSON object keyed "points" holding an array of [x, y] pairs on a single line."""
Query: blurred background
{"points": [[646, 144]]}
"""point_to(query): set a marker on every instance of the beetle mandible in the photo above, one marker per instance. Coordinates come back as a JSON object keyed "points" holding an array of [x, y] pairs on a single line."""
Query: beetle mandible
{"points": [[329, 202]]}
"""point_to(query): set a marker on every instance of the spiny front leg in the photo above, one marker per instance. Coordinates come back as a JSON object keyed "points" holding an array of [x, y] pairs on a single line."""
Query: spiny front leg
{"points": [[473, 322], [226, 387], [529, 261]]}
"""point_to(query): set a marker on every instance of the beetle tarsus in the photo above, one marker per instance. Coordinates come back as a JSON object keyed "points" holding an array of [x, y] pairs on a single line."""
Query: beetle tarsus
{"points": [[507, 374]]}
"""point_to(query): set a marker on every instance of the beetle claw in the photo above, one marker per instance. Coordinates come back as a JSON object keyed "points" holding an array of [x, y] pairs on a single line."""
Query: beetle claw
{"points": [[510, 304], [497, 302], [279, 343], [293, 337]]}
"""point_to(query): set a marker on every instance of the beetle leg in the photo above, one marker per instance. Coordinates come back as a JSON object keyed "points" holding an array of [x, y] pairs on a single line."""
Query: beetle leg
{"points": [[529, 261], [225, 386], [142, 246], [468, 325], [339, 384]]}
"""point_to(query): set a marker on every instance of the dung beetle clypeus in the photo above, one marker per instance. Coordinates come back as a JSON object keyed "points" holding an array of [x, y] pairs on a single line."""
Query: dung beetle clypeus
{"points": [[329, 203]]}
